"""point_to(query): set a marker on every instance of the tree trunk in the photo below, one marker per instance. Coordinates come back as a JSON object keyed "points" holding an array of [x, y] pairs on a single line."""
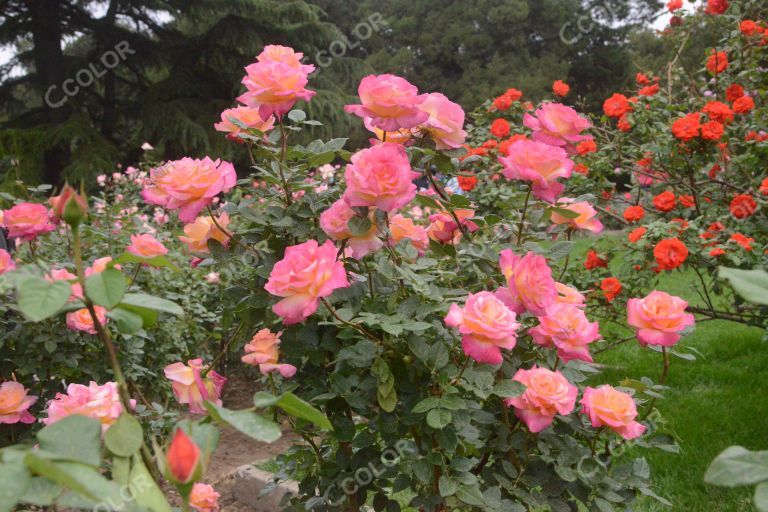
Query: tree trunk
{"points": [[50, 69]]}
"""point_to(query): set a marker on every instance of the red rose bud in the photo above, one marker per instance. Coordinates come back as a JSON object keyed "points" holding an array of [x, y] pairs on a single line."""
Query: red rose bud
{"points": [[69, 206], [183, 458]]}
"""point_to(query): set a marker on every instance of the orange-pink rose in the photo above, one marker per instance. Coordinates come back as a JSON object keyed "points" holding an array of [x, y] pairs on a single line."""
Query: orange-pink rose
{"points": [[444, 229], [204, 498], [262, 351], [14, 403], [445, 123], [557, 125], [566, 327], [529, 280], [659, 318], [391, 102], [606, 406], [146, 246], [98, 402], [587, 216], [189, 185], [380, 176], [401, 227], [191, 387], [81, 320], [246, 115], [307, 273], [203, 229], [276, 81], [6, 262], [547, 394], [335, 222], [26, 221], [539, 163], [486, 325]]}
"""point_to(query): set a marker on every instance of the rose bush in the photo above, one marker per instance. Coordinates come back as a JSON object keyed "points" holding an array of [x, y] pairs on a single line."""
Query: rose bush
{"points": [[431, 344]]}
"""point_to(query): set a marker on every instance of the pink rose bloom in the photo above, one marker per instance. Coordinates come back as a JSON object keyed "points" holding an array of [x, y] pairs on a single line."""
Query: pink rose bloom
{"points": [[566, 327], [61, 274], [307, 272], [401, 227], [26, 221], [380, 176], [444, 229], [659, 318], [203, 229], [557, 125], [445, 123], [190, 387], [547, 394], [609, 407], [539, 163], [262, 351], [98, 402], [81, 320], [390, 101], [587, 219], [204, 498], [146, 246], [569, 295], [335, 222], [486, 325], [189, 185], [530, 282], [99, 265], [6, 262], [246, 115], [14, 403], [276, 81]]}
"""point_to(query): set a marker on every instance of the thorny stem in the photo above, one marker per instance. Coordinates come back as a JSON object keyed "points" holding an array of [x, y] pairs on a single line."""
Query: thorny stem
{"points": [[521, 225], [362, 330], [224, 349], [662, 380], [109, 346]]}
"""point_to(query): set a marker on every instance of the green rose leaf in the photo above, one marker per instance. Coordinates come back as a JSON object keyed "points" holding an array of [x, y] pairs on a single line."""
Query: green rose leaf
{"points": [[76, 438], [106, 288], [247, 422], [38, 299], [125, 436], [295, 406]]}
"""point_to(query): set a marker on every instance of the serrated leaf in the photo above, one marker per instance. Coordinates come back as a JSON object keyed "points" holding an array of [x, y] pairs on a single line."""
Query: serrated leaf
{"points": [[125, 436], [439, 418], [738, 466], [38, 299], [106, 288]]}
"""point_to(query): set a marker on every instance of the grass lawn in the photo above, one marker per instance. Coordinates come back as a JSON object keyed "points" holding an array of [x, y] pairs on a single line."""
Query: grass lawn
{"points": [[719, 400]]}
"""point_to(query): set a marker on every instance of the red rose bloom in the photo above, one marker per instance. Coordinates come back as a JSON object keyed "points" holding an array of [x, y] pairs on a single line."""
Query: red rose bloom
{"points": [[581, 169], [718, 111], [650, 90], [674, 5], [665, 201], [617, 105], [716, 6], [642, 79], [764, 187], [716, 252], [502, 103], [717, 62], [749, 28], [743, 206], [687, 201], [561, 88], [688, 127], [513, 94], [636, 234], [490, 144], [500, 128], [743, 105], [611, 288], [623, 124], [586, 146], [634, 213], [594, 261], [743, 241], [734, 92], [670, 253], [467, 183], [712, 130]]}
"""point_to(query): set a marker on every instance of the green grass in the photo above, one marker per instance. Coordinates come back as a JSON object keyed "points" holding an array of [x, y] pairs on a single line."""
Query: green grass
{"points": [[714, 402]]}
